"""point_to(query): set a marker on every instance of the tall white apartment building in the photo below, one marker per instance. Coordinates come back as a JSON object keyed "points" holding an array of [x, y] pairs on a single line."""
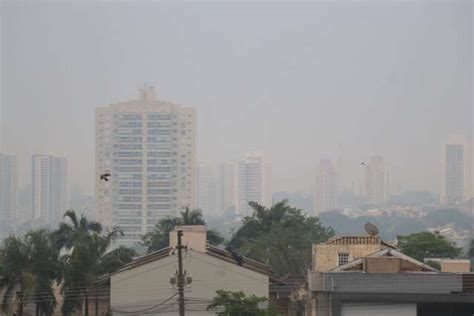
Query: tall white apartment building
{"points": [[8, 188], [325, 193], [49, 188], [454, 173], [254, 183], [206, 189], [226, 186], [149, 148], [375, 181]]}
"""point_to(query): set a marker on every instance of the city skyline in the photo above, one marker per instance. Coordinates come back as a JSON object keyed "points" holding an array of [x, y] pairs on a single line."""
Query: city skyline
{"points": [[310, 158]]}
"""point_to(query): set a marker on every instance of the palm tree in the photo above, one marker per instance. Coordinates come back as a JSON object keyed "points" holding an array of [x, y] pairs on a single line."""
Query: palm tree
{"points": [[17, 272], [74, 229], [45, 267], [31, 266], [88, 258], [159, 237], [74, 235], [193, 217]]}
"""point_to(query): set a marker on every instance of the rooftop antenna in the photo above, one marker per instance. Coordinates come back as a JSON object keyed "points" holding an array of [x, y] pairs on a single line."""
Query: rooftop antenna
{"points": [[371, 229]]}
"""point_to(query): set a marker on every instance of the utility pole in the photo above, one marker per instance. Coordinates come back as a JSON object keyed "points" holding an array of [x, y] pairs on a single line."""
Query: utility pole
{"points": [[180, 275], [20, 295]]}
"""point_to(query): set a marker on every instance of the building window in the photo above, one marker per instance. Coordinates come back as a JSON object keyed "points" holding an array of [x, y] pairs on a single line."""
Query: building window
{"points": [[343, 258]]}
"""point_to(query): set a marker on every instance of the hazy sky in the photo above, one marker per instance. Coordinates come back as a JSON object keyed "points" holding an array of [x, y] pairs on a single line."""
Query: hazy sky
{"points": [[298, 81]]}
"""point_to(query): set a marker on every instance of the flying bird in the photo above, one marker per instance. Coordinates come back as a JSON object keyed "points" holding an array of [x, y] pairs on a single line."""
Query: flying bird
{"points": [[362, 163], [105, 176]]}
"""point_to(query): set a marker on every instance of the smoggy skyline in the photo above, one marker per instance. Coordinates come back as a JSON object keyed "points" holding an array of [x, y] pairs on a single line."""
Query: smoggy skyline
{"points": [[300, 82]]}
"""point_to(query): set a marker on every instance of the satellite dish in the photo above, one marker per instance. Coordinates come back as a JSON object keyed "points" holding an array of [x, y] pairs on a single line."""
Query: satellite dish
{"points": [[371, 229]]}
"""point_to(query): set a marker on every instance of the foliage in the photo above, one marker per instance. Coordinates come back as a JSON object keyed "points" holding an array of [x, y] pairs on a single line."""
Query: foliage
{"points": [[31, 265], [2, 265], [434, 264], [159, 237], [72, 230], [115, 259], [443, 217], [45, 267], [88, 257], [17, 269], [280, 236], [427, 245], [229, 303], [470, 251]]}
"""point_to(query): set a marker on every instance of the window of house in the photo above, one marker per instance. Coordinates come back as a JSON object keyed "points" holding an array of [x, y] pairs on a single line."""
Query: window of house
{"points": [[343, 258]]}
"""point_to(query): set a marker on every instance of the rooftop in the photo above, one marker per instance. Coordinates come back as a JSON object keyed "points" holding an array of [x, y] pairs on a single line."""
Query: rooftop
{"points": [[358, 240]]}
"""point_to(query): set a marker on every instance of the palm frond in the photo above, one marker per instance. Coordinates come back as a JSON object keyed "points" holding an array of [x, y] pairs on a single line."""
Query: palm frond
{"points": [[71, 215]]}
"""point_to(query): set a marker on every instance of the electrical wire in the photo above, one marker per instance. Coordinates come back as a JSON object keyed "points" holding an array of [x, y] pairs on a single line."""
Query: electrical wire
{"points": [[146, 309]]}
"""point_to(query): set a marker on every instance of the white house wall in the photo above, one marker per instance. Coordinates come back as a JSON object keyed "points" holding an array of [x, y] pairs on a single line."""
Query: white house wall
{"points": [[141, 289]]}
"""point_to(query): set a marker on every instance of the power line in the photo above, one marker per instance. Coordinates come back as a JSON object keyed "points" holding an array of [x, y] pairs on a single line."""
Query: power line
{"points": [[146, 309], [180, 274]]}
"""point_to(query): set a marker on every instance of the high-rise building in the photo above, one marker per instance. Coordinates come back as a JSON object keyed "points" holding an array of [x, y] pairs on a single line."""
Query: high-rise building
{"points": [[49, 188], [206, 189], [149, 148], [254, 183], [325, 187], [24, 203], [226, 186], [454, 173], [8, 188], [375, 181]]}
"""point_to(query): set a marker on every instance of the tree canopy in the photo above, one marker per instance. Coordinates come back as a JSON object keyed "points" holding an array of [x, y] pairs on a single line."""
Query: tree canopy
{"points": [[159, 237], [280, 236], [452, 216], [71, 257], [470, 250], [427, 245], [31, 266], [89, 257], [227, 303]]}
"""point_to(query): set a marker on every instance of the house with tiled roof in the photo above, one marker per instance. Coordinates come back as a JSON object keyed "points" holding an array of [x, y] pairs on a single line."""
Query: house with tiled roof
{"points": [[147, 285], [363, 275]]}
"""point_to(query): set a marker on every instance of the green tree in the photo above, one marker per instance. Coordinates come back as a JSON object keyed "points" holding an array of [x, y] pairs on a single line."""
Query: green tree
{"points": [[45, 267], [31, 267], [470, 251], [159, 237], [427, 245], [17, 276], [227, 303], [88, 258], [434, 264], [73, 230], [280, 236]]}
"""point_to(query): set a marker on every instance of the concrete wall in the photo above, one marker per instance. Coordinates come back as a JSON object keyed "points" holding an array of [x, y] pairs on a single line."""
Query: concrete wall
{"points": [[382, 265], [365, 309], [194, 237], [455, 265], [423, 283], [146, 286]]}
